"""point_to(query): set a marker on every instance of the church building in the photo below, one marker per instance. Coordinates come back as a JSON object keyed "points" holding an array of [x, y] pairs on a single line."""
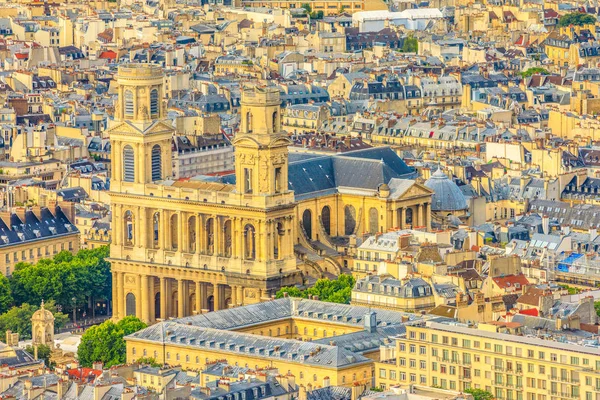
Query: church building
{"points": [[184, 247]]}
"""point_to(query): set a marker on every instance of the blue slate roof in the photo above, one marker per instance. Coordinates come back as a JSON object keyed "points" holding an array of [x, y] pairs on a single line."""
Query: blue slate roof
{"points": [[34, 227], [311, 176]]}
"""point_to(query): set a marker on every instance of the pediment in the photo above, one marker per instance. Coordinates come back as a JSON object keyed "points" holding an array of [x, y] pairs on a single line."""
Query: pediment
{"points": [[413, 191], [140, 129]]}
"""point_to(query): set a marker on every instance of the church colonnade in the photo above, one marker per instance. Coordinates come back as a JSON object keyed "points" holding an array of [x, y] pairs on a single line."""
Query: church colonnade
{"points": [[203, 233]]}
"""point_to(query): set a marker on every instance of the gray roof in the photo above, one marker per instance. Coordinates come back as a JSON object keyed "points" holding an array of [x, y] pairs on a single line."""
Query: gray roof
{"points": [[447, 196], [227, 342]]}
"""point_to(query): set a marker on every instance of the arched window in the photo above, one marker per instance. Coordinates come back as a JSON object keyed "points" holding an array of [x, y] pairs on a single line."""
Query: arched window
{"points": [[155, 227], [128, 164], [307, 223], [128, 228], [174, 231], [373, 220], [349, 219], [275, 122], [326, 219], [130, 304], [129, 104], [249, 122], [154, 105], [210, 236], [249, 242], [156, 163], [279, 233], [227, 235]]}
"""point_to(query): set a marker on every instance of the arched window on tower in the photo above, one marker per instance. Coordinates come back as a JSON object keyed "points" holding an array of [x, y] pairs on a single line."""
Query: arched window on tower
{"points": [[128, 164], [210, 236], [156, 163], [129, 103], [275, 122], [154, 104], [227, 238], [249, 122], [192, 234], [249, 243]]}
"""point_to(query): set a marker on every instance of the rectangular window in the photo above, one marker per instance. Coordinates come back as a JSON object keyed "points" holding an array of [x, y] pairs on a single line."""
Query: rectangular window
{"points": [[278, 183], [247, 180]]}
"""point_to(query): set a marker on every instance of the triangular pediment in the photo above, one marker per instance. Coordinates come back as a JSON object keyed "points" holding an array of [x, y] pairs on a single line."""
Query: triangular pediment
{"points": [[402, 189], [135, 129]]}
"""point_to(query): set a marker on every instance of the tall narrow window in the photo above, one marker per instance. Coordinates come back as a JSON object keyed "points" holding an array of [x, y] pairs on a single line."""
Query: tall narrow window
{"points": [[128, 164], [154, 105], [155, 225], [275, 123], [278, 183], [129, 103], [247, 180], [249, 122], [128, 228], [156, 163]]}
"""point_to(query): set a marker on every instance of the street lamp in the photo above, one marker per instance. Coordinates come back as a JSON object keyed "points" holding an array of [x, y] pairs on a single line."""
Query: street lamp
{"points": [[74, 300]]}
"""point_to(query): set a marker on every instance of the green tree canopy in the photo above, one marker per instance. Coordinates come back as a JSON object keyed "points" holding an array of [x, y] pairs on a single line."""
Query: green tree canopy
{"points": [[85, 276], [480, 394], [6, 299], [334, 291], [534, 71], [576, 18], [105, 342], [597, 307], [410, 45]]}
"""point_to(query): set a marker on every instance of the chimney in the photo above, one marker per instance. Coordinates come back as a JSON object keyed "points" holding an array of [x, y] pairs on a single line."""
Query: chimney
{"points": [[593, 233], [68, 208], [20, 211], [545, 224], [295, 303]]}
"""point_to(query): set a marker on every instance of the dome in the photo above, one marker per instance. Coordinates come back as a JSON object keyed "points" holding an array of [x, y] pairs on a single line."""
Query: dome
{"points": [[447, 196], [415, 287], [42, 314]]}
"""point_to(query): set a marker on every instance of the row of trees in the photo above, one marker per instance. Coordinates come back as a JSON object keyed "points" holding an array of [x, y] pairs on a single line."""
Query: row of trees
{"points": [[63, 282], [334, 291]]}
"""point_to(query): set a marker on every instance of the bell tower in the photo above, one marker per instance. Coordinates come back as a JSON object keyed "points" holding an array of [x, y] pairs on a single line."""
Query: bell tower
{"points": [[261, 148], [140, 141]]}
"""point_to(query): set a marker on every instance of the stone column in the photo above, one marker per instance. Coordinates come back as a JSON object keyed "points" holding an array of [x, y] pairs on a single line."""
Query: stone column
{"points": [[233, 296], [198, 234], [120, 296], [428, 215], [180, 218], [199, 295], [204, 295], [180, 298], [138, 298], [142, 234], [165, 233], [152, 302], [217, 235], [217, 296], [403, 218], [240, 295], [163, 298], [420, 214], [145, 298], [115, 296]]}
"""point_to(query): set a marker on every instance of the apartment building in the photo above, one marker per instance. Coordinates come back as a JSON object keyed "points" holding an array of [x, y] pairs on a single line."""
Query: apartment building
{"points": [[495, 357]]}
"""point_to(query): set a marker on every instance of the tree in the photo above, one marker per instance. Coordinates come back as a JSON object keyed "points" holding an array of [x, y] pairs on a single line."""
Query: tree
{"points": [[480, 394], [410, 45], [85, 276], [6, 299], [307, 7], [576, 18], [105, 342], [597, 307], [534, 71], [43, 353], [334, 291]]}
